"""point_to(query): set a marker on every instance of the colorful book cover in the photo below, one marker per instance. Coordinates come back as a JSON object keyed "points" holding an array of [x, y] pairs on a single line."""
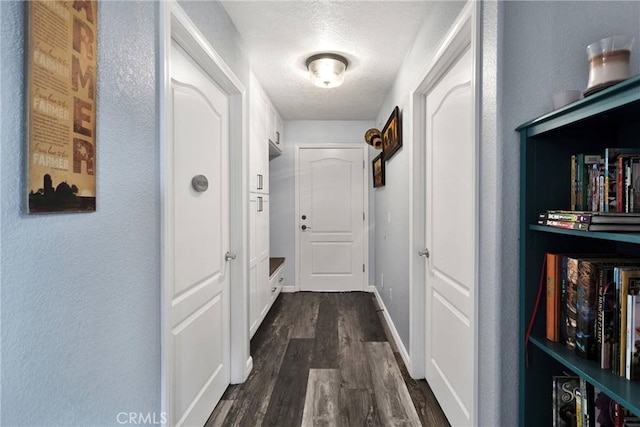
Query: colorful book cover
{"points": [[604, 411], [565, 390]]}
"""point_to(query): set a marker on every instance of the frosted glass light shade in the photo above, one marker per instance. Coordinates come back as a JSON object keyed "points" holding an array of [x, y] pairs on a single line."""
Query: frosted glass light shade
{"points": [[327, 69]]}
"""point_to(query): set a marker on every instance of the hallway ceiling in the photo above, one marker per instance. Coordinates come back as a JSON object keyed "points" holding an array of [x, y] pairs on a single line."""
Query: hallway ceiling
{"points": [[373, 35]]}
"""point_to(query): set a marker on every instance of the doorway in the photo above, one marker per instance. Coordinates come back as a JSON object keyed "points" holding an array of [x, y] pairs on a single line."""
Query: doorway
{"points": [[444, 224], [331, 211], [204, 224]]}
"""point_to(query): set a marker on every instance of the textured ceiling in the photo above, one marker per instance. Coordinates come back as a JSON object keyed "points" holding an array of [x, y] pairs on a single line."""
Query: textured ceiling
{"points": [[373, 35]]}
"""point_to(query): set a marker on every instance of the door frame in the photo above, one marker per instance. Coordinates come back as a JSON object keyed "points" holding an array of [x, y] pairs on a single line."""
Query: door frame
{"points": [[464, 33], [175, 24], [365, 207]]}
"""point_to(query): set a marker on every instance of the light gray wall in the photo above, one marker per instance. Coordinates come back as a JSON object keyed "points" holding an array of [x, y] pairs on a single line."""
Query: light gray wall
{"points": [[282, 182], [543, 52], [392, 200], [80, 307]]}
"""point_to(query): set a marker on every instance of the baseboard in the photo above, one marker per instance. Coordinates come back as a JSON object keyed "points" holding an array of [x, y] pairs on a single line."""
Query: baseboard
{"points": [[371, 289], [394, 332], [290, 289]]}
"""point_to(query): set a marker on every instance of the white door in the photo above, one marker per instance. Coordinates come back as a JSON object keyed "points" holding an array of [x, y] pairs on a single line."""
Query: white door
{"points": [[331, 219], [199, 312], [450, 236]]}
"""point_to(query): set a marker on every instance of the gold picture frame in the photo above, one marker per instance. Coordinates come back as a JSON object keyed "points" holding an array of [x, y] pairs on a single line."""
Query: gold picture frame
{"points": [[378, 170], [392, 134]]}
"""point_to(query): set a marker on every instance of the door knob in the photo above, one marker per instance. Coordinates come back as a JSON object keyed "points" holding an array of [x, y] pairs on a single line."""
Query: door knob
{"points": [[200, 183], [424, 253], [304, 217], [229, 256], [304, 227]]}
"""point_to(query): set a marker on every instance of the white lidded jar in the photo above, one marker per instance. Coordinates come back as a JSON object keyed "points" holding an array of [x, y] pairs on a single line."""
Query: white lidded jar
{"points": [[608, 62]]}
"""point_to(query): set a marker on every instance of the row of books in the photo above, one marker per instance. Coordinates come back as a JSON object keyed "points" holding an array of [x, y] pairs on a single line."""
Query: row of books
{"points": [[608, 182], [593, 307], [620, 222], [576, 403]]}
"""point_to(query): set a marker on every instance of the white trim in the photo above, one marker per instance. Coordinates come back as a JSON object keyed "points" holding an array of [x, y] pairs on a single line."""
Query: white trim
{"points": [[464, 32], [392, 327], [365, 207], [290, 289], [174, 24]]}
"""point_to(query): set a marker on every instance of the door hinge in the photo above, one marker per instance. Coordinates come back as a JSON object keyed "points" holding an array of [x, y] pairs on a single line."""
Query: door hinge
{"points": [[363, 268], [363, 216], [363, 164]]}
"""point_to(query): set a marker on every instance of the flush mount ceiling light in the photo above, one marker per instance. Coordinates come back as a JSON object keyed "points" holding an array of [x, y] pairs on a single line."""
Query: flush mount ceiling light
{"points": [[327, 69]]}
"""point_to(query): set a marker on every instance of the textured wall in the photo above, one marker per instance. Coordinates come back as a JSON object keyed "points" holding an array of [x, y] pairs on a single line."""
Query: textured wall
{"points": [[80, 307], [282, 180], [392, 238], [80, 292], [543, 52]]}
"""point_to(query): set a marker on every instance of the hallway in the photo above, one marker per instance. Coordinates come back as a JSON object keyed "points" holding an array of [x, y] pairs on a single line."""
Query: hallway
{"points": [[324, 359]]}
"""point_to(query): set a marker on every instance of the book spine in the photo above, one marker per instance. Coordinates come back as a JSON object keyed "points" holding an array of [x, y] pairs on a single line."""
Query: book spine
{"points": [[567, 224], [566, 216], [601, 192], [607, 326], [579, 179], [634, 203], [631, 315], [553, 295], [588, 274], [615, 348], [600, 314], [591, 164], [628, 196], [623, 277], [563, 298], [620, 185], [573, 181], [571, 303], [594, 172], [634, 343], [606, 181]]}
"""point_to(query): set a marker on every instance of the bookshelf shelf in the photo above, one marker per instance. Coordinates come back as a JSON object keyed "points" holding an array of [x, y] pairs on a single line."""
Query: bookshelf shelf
{"points": [[617, 237], [610, 118], [618, 388]]}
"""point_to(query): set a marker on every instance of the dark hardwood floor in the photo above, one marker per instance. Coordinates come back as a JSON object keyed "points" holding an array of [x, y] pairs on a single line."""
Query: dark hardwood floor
{"points": [[324, 359]]}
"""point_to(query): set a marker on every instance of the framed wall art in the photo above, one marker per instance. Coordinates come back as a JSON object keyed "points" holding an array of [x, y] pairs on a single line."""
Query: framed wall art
{"points": [[61, 105], [378, 170], [392, 134]]}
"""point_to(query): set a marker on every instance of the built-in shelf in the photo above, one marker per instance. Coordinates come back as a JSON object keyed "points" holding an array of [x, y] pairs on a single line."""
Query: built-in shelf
{"points": [[617, 388], [274, 264], [618, 237]]}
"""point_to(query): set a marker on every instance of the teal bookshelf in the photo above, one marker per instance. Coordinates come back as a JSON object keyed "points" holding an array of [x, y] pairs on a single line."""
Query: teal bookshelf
{"points": [[610, 118]]}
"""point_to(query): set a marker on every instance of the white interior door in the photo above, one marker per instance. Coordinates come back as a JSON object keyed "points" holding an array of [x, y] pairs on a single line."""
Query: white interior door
{"points": [[199, 312], [451, 241], [331, 219]]}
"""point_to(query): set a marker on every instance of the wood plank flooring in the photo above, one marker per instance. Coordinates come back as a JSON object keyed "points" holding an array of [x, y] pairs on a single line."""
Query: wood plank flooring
{"points": [[324, 359]]}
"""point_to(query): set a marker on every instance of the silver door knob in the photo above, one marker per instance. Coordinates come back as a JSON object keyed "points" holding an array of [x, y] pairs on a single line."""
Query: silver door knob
{"points": [[229, 256], [424, 253]]}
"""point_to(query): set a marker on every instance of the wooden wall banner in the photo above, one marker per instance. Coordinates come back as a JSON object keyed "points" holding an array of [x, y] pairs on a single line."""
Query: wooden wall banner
{"points": [[61, 105]]}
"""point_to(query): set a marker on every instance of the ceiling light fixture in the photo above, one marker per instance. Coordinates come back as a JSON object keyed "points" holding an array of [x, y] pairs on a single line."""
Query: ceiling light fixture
{"points": [[327, 69]]}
